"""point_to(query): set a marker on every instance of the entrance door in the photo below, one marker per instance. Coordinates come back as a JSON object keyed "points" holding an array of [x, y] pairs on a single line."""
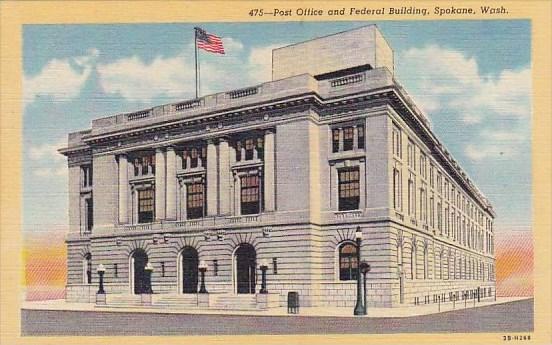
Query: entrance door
{"points": [[140, 259], [245, 268], [189, 270]]}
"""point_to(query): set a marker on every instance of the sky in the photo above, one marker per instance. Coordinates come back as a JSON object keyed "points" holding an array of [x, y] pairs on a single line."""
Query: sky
{"points": [[471, 78]]}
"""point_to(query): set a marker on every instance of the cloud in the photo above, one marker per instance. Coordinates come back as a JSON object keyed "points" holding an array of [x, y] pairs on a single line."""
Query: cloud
{"points": [[495, 111], [172, 78], [447, 78], [260, 62], [61, 79], [135, 80], [47, 161]]}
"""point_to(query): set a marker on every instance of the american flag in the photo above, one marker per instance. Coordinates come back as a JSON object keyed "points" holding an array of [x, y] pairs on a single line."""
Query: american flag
{"points": [[208, 42]]}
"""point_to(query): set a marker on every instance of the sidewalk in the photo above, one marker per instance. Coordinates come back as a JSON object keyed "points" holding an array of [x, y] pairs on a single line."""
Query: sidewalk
{"points": [[405, 311]]}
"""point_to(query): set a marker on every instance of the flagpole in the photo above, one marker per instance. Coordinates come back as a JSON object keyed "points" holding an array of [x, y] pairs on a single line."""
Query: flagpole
{"points": [[196, 74]]}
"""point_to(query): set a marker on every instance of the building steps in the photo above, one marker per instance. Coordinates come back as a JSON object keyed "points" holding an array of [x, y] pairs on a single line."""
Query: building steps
{"points": [[235, 302], [176, 301], [123, 300]]}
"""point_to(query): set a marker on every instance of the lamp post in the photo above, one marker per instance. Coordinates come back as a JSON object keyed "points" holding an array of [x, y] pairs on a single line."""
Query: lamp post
{"points": [[359, 309], [263, 266], [101, 271], [202, 269], [148, 270], [364, 268]]}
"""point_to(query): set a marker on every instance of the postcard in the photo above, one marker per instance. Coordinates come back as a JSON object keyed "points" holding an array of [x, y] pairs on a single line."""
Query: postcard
{"points": [[275, 172]]}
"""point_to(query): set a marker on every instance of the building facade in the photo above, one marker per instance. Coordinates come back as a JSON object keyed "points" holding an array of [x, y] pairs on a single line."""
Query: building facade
{"points": [[283, 172]]}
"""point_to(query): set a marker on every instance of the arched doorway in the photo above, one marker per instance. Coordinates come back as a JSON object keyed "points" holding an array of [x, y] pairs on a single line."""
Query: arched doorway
{"points": [[139, 260], [189, 268], [245, 259]]}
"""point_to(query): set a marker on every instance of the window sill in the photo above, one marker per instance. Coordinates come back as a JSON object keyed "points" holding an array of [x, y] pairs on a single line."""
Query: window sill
{"points": [[247, 163], [142, 178], [358, 153], [348, 214]]}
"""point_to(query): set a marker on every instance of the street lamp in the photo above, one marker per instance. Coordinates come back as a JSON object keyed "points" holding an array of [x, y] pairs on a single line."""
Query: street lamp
{"points": [[365, 268], [202, 269], [101, 271], [148, 270], [359, 309], [263, 266]]}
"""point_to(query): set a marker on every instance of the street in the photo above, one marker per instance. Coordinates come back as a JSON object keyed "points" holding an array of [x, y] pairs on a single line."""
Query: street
{"points": [[508, 317]]}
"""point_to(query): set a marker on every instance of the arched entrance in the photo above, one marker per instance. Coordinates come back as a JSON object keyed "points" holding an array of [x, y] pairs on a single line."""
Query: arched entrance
{"points": [[189, 268], [245, 259], [139, 260]]}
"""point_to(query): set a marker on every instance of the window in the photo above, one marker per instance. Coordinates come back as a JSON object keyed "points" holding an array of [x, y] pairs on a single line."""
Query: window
{"points": [[162, 269], [397, 189], [439, 217], [195, 200], [115, 270], [275, 265], [423, 165], [335, 140], [431, 176], [349, 189], [146, 205], [348, 138], [423, 204], [144, 165], [88, 268], [348, 261], [89, 214], [250, 194], [397, 141], [360, 143], [86, 176], [411, 158], [194, 157], [215, 268], [413, 264], [431, 212], [411, 195], [250, 148]]}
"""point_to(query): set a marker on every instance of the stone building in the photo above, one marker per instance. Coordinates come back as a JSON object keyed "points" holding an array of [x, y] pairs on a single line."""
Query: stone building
{"points": [[283, 172]]}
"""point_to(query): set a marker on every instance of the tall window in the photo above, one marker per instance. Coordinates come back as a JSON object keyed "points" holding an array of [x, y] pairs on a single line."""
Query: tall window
{"points": [[439, 217], [360, 137], [146, 205], [426, 263], [335, 140], [413, 264], [423, 165], [397, 141], [87, 268], [411, 155], [431, 212], [195, 200], [423, 204], [349, 189], [250, 194], [397, 186], [89, 214], [144, 165], [411, 195], [86, 173], [348, 261]]}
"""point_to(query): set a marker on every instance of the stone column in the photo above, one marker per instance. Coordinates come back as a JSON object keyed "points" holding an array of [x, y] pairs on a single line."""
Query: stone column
{"points": [[211, 179], [160, 194], [224, 177], [171, 184], [123, 189], [269, 175]]}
